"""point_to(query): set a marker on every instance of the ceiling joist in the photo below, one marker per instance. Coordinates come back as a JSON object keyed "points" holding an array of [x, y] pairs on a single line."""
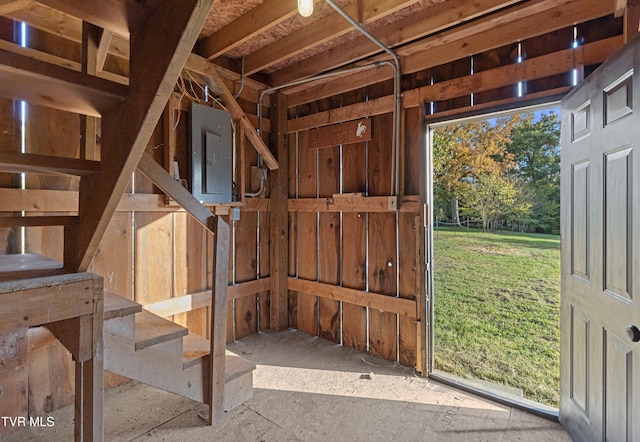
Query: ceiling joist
{"points": [[428, 21], [264, 16], [508, 26], [319, 32]]}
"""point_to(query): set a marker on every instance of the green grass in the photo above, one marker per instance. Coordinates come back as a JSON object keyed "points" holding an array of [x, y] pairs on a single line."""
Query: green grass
{"points": [[497, 309]]}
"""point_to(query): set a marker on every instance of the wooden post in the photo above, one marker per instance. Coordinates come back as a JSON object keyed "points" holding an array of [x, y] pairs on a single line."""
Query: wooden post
{"points": [[218, 332], [278, 216]]}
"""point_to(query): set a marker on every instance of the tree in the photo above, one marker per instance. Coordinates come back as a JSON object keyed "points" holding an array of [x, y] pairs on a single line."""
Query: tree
{"points": [[535, 146], [465, 152]]}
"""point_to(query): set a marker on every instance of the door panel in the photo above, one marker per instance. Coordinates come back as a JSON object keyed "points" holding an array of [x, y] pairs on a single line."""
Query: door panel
{"points": [[600, 363]]}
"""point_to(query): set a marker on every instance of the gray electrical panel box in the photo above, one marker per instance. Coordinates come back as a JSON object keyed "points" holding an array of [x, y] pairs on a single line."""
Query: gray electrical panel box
{"points": [[211, 154]]}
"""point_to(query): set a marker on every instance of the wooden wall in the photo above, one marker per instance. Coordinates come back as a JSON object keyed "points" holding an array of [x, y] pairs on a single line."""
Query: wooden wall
{"points": [[356, 265], [366, 249], [150, 253]]}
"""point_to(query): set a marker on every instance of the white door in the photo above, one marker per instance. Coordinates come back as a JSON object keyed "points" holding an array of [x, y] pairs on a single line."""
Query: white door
{"points": [[600, 211]]}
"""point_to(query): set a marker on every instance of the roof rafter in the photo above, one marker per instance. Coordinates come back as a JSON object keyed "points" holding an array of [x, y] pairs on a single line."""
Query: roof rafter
{"points": [[262, 17], [437, 50], [320, 31], [430, 21]]}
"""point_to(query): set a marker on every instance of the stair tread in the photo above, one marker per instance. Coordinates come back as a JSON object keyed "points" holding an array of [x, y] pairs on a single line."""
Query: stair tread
{"points": [[28, 265], [196, 347], [115, 306], [152, 329]]}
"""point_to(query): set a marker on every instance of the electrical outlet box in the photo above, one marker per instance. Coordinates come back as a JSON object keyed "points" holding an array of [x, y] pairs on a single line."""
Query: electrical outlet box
{"points": [[211, 154]]}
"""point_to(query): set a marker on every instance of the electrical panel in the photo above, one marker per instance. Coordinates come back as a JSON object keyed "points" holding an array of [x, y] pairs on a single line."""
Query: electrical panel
{"points": [[211, 154]]}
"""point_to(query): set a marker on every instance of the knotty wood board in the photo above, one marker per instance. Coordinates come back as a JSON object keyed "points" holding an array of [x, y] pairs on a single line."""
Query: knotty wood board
{"points": [[382, 243], [306, 239], [246, 270], [382, 279], [329, 243], [354, 243], [414, 130], [263, 297], [407, 239], [350, 132], [379, 167]]}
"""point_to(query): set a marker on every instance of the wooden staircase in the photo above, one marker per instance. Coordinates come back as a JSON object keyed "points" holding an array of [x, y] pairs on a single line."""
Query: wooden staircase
{"points": [[149, 349]]}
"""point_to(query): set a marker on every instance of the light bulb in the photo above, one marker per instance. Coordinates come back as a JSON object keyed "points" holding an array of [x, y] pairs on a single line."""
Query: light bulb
{"points": [[305, 7]]}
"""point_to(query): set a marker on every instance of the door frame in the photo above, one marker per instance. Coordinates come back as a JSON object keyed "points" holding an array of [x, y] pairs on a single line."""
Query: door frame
{"points": [[443, 377]]}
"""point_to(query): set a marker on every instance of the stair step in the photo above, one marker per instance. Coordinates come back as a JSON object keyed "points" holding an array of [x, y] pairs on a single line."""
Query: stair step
{"points": [[152, 330], [28, 265], [46, 164], [115, 306], [196, 347]]}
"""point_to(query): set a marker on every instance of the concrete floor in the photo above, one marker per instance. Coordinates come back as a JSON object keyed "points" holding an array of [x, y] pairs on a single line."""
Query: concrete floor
{"points": [[308, 389]]}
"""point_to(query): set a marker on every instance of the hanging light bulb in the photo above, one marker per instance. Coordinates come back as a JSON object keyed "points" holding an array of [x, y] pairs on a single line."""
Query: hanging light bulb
{"points": [[305, 7]]}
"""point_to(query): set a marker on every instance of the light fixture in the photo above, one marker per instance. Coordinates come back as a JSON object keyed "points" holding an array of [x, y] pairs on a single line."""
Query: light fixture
{"points": [[305, 7]]}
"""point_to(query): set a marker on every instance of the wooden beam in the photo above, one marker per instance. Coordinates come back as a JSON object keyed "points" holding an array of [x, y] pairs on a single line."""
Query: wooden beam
{"points": [[42, 200], [508, 103], [43, 300], [320, 31], [46, 84], [120, 16], [194, 301], [264, 16], [161, 178], [352, 132], [390, 304], [215, 81], [493, 32], [106, 36], [429, 21], [512, 24], [530, 69], [345, 203], [201, 65], [218, 330], [58, 23], [28, 221], [539, 67], [45, 164], [158, 53], [278, 219], [7, 6], [377, 106]]}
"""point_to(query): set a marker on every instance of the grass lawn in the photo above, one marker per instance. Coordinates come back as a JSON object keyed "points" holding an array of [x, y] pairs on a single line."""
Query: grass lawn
{"points": [[497, 309]]}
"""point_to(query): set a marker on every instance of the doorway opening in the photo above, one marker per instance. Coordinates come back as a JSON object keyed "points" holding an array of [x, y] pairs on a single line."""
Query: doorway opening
{"points": [[495, 211]]}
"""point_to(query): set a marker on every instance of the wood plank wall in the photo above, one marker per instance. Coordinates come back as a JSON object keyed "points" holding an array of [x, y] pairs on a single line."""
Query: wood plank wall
{"points": [[376, 254], [147, 254], [382, 252]]}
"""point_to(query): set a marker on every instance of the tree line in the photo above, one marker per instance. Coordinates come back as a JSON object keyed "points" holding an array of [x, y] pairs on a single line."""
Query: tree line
{"points": [[501, 172]]}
